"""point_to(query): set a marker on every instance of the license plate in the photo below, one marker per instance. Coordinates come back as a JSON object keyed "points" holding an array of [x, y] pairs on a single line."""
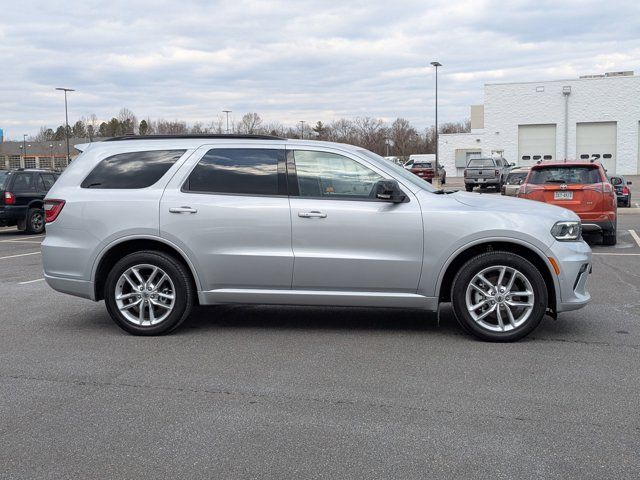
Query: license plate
{"points": [[563, 195], [420, 174], [480, 180]]}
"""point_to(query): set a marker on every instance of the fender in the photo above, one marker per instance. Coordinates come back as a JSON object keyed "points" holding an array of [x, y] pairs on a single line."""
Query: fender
{"points": [[479, 241], [128, 238]]}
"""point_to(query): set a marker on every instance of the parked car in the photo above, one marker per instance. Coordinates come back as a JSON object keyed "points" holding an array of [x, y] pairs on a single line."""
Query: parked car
{"points": [[623, 194], [486, 172], [154, 225], [426, 171], [21, 198], [511, 185], [419, 158], [579, 186]]}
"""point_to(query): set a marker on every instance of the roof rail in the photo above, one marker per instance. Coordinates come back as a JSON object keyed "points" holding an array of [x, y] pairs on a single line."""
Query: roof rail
{"points": [[187, 136]]}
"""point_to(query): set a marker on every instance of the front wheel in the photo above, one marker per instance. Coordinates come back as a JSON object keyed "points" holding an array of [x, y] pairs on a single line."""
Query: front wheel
{"points": [[499, 296], [149, 293]]}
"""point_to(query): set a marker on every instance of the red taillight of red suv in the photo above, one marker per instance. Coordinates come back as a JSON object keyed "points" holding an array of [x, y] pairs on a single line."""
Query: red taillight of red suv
{"points": [[625, 190], [52, 209], [527, 188], [9, 198]]}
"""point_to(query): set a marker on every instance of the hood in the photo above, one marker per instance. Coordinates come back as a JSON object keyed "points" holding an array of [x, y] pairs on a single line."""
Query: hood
{"points": [[501, 203]]}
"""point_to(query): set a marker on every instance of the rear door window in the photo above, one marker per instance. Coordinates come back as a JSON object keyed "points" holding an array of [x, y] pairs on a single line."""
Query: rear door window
{"points": [[569, 175], [3, 177], [239, 171], [47, 181], [132, 169]]}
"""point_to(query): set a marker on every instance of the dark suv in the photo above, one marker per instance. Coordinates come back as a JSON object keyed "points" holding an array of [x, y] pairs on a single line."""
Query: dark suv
{"points": [[21, 195]]}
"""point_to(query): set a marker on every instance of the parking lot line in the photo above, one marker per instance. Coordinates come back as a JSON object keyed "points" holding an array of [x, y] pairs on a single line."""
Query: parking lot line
{"points": [[617, 254], [31, 281], [20, 255], [30, 237], [635, 236]]}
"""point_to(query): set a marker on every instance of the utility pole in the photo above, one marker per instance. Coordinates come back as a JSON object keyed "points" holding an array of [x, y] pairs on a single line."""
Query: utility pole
{"points": [[66, 119], [437, 174], [227, 112], [301, 129]]}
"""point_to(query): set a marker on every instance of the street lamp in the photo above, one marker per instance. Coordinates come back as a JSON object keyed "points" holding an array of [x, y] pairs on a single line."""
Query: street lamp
{"points": [[66, 117], [24, 144], [227, 112], [436, 64], [301, 122]]}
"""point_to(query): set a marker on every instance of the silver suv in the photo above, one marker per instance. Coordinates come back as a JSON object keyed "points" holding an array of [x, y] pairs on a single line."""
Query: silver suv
{"points": [[155, 225]]}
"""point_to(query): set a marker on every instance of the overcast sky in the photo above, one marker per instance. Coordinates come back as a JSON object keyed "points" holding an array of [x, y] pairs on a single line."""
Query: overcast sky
{"points": [[290, 61]]}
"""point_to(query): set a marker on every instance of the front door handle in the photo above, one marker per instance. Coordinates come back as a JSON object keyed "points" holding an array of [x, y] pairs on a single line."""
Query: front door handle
{"points": [[182, 210], [313, 214]]}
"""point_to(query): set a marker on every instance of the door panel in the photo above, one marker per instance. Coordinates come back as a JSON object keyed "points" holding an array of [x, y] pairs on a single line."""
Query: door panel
{"points": [[352, 243], [235, 240]]}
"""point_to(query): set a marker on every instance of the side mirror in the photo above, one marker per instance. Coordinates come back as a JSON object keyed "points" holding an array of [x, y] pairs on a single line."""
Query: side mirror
{"points": [[629, 183], [389, 191], [512, 164]]}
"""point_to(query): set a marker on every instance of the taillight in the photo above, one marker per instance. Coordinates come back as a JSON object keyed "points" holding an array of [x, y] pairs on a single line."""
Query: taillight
{"points": [[607, 187], [9, 198], [465, 173], [625, 190], [52, 209]]}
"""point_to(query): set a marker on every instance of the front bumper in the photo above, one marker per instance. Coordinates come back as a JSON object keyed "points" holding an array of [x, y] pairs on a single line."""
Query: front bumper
{"points": [[574, 260]]}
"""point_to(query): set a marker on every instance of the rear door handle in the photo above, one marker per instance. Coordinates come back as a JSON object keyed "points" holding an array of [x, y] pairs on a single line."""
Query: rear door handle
{"points": [[182, 210], [313, 214]]}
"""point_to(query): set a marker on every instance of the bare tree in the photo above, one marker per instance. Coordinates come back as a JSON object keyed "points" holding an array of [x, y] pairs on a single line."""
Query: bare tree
{"points": [[250, 123]]}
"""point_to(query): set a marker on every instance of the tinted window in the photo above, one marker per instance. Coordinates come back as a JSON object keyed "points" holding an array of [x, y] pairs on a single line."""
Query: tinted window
{"points": [[616, 181], [328, 175], [247, 171], [3, 176], [47, 180], [481, 162], [422, 165], [516, 178], [526, 157], [547, 157], [132, 170], [23, 182], [606, 155], [582, 175]]}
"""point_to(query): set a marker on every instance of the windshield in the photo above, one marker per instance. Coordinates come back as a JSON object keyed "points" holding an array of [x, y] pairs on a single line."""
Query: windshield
{"points": [[516, 178], [3, 176], [580, 175], [398, 171], [481, 162]]}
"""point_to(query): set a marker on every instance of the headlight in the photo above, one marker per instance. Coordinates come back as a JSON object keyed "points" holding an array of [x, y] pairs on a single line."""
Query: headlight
{"points": [[567, 231]]}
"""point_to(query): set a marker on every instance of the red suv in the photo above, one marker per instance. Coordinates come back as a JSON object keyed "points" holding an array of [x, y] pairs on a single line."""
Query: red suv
{"points": [[579, 186]]}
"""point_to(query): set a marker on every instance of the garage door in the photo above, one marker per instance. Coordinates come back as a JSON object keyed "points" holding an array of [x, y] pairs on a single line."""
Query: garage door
{"points": [[597, 140], [536, 142]]}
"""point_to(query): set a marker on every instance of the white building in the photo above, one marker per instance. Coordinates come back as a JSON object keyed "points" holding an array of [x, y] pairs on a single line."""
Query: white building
{"points": [[591, 117]]}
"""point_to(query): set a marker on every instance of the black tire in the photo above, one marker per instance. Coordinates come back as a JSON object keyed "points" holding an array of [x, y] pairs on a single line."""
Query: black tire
{"points": [[35, 221], [610, 237], [444, 180], [179, 275], [498, 258], [469, 188]]}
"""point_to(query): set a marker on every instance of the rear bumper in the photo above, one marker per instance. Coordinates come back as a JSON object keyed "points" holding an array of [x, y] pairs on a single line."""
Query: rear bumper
{"points": [[481, 181], [597, 226], [11, 214], [78, 288]]}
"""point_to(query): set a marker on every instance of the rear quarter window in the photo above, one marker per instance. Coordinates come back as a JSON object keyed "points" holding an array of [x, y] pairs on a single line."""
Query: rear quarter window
{"points": [[132, 169], [481, 162]]}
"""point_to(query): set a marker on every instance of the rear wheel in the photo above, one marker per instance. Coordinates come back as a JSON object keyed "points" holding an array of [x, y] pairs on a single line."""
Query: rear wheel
{"points": [[35, 221], [149, 293], [610, 237], [469, 188], [499, 296]]}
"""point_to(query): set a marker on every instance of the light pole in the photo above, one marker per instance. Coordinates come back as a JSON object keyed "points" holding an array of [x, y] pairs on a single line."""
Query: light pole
{"points": [[436, 64], [301, 122], [24, 144], [227, 112], [66, 118]]}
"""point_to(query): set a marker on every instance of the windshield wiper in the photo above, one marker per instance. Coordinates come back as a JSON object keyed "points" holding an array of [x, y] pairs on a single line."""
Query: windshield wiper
{"points": [[440, 191], [555, 181]]}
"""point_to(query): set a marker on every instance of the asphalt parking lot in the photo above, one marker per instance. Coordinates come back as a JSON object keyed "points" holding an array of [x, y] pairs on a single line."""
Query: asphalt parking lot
{"points": [[273, 392]]}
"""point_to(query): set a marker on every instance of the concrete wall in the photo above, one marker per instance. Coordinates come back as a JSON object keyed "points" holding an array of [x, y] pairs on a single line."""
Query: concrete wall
{"points": [[451, 143], [607, 99]]}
